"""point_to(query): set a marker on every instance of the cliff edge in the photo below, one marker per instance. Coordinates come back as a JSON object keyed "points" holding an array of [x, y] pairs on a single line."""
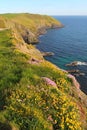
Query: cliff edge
{"points": [[34, 93]]}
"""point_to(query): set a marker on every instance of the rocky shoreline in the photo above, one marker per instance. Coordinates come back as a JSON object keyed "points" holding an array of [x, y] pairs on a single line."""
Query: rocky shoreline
{"points": [[70, 74], [42, 77]]}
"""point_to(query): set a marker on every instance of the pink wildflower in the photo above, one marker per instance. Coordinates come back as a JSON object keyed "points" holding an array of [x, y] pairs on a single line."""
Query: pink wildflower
{"points": [[49, 81]]}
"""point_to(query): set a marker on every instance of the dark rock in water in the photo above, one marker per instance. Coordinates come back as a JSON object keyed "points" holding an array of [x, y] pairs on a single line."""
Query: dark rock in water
{"points": [[73, 71], [43, 29], [56, 26], [47, 53], [75, 63], [79, 74], [76, 72]]}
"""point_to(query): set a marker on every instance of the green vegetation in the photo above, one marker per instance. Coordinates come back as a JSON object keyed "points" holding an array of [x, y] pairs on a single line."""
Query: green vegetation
{"points": [[2, 24], [27, 27], [32, 21], [27, 102]]}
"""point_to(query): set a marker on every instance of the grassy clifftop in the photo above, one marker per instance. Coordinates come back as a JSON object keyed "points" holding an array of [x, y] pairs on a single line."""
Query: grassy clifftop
{"points": [[28, 26], [32, 21], [35, 94]]}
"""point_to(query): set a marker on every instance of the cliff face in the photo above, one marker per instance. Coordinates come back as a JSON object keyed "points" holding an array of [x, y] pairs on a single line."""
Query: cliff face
{"points": [[29, 26], [34, 93]]}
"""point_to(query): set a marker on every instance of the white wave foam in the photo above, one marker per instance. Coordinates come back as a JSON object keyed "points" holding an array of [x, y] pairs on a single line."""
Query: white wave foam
{"points": [[81, 63], [76, 63]]}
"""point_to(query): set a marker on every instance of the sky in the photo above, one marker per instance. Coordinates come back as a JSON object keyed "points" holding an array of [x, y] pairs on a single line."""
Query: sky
{"points": [[49, 7]]}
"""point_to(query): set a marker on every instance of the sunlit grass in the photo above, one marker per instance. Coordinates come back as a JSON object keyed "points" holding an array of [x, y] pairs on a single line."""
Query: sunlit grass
{"points": [[25, 98]]}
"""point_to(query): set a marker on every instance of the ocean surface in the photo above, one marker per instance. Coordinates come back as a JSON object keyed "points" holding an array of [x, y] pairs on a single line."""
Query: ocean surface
{"points": [[68, 44]]}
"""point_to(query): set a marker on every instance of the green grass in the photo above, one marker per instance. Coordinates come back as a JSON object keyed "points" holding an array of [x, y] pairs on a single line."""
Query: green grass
{"points": [[31, 21], [27, 25], [2, 24], [25, 99], [9, 15], [11, 65]]}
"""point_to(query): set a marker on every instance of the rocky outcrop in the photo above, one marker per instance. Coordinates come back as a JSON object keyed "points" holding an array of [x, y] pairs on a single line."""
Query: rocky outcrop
{"points": [[79, 93], [34, 61], [47, 53], [29, 26], [76, 84], [76, 63], [41, 30], [31, 37], [76, 72], [73, 71], [26, 34], [56, 26]]}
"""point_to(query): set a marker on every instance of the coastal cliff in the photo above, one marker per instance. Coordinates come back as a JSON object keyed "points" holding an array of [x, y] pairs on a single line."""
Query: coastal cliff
{"points": [[28, 26], [34, 93]]}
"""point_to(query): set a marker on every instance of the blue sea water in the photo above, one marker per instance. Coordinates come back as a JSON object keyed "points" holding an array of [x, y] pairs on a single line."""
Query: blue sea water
{"points": [[68, 44]]}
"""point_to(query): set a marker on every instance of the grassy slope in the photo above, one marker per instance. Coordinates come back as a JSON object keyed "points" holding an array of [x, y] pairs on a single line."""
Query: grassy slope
{"points": [[32, 21], [26, 101], [27, 25]]}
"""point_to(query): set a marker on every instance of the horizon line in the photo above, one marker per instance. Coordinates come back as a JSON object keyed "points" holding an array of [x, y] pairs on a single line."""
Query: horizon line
{"points": [[45, 14]]}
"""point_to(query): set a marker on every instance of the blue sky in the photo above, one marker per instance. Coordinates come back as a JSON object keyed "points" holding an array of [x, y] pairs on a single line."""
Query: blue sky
{"points": [[50, 7]]}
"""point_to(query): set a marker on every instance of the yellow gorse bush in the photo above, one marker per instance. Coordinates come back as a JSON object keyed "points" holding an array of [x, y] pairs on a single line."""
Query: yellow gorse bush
{"points": [[39, 106]]}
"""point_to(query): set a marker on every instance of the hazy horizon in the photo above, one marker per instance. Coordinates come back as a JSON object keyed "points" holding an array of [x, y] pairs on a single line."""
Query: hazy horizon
{"points": [[46, 7], [42, 14]]}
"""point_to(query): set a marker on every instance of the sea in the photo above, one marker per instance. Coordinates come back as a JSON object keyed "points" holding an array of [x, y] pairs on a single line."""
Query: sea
{"points": [[69, 44]]}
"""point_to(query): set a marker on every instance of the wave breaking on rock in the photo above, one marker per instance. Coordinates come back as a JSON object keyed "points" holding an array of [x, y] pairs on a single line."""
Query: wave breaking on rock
{"points": [[76, 63]]}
